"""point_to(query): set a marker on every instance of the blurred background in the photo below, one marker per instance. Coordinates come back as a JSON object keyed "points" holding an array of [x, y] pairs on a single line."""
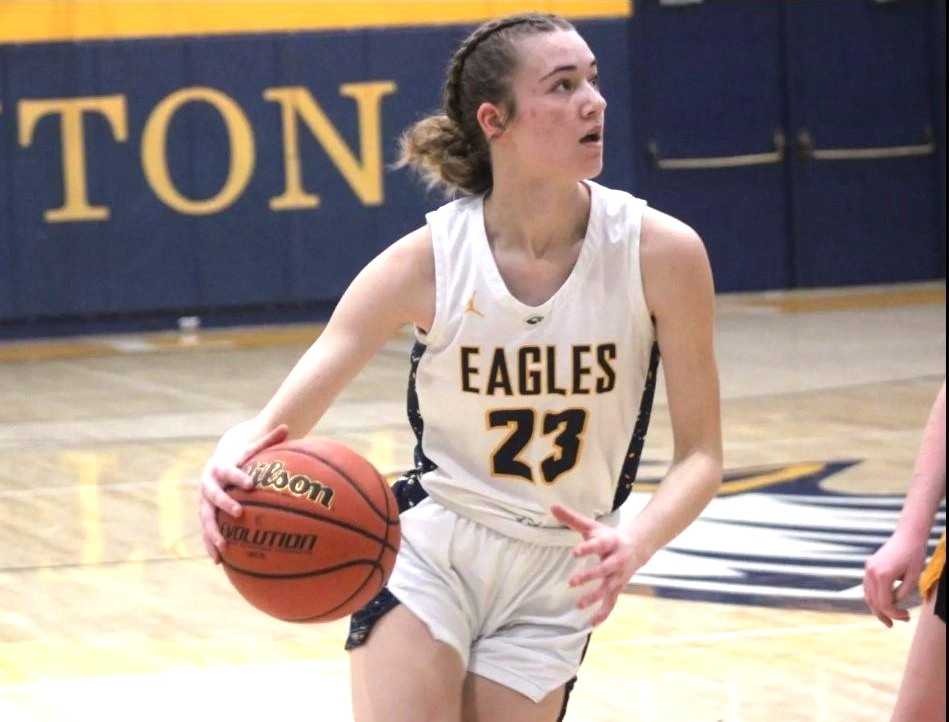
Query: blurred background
{"points": [[230, 159]]}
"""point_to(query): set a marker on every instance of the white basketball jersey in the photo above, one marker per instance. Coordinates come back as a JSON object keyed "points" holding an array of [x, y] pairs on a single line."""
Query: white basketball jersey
{"points": [[516, 407]]}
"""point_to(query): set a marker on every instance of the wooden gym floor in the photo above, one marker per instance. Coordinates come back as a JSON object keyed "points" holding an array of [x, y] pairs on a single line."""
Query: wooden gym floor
{"points": [[110, 611]]}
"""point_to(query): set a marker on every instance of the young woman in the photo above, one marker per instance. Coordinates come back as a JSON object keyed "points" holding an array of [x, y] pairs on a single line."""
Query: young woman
{"points": [[541, 303], [893, 572]]}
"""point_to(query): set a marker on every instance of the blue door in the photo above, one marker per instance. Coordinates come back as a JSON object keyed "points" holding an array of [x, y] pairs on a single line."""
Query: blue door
{"points": [[709, 108], [864, 191], [804, 140]]}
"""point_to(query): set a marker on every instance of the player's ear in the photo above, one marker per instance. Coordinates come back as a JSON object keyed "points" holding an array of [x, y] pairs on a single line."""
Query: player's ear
{"points": [[491, 118]]}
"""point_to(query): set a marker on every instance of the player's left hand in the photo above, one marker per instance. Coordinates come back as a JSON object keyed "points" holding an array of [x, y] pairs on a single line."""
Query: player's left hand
{"points": [[619, 560]]}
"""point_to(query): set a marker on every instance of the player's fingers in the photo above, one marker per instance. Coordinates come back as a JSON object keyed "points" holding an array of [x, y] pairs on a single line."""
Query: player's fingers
{"points": [[211, 550], [873, 590], [210, 534], [600, 546], [890, 610], [231, 476], [588, 600], [885, 613], [274, 436], [873, 594], [904, 590], [577, 522], [880, 597], [868, 595], [606, 608], [215, 496], [605, 569]]}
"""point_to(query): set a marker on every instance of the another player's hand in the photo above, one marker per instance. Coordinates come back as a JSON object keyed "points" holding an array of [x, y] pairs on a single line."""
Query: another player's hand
{"points": [[221, 471], [899, 560], [619, 560]]}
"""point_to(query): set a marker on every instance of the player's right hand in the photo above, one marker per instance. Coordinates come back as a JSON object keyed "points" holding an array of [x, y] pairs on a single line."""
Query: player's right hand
{"points": [[890, 577], [223, 470]]}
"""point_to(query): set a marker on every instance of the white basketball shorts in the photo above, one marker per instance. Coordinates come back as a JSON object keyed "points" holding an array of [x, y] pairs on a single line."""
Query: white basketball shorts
{"points": [[503, 604]]}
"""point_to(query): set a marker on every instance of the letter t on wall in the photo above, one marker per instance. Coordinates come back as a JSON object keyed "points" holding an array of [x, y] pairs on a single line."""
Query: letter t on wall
{"points": [[76, 202]]}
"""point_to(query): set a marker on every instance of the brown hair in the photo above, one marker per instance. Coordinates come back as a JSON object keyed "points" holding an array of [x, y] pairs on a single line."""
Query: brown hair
{"points": [[449, 149]]}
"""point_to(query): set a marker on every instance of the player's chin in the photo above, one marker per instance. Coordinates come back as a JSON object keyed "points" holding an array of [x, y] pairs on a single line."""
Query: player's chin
{"points": [[592, 170], [592, 159]]}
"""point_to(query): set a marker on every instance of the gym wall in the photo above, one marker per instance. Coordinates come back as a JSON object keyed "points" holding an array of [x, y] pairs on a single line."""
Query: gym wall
{"points": [[232, 159]]}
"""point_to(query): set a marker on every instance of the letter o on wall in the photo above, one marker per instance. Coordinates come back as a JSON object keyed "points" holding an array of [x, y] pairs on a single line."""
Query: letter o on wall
{"points": [[240, 138]]}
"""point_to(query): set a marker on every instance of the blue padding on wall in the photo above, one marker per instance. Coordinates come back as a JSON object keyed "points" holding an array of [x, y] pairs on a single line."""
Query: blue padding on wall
{"points": [[152, 250], [243, 252], [58, 266], [939, 116], [8, 245], [329, 245]]}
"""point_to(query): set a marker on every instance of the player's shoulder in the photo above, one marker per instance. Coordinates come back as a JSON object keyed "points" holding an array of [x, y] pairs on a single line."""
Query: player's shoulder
{"points": [[667, 239], [412, 254], [675, 264], [406, 270]]}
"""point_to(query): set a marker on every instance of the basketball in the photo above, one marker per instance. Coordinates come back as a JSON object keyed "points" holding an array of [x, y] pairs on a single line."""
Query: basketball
{"points": [[319, 533]]}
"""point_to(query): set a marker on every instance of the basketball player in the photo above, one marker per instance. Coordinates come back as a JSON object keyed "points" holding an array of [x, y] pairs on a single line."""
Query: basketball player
{"points": [[541, 302], [922, 696]]}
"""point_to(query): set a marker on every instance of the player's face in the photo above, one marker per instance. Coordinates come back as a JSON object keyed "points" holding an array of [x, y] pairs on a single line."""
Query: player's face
{"points": [[557, 130]]}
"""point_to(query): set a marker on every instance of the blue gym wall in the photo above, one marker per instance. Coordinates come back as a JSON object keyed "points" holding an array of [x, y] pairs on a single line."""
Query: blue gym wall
{"points": [[714, 79]]}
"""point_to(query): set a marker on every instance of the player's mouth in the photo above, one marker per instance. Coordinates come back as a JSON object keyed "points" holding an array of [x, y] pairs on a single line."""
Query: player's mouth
{"points": [[594, 137]]}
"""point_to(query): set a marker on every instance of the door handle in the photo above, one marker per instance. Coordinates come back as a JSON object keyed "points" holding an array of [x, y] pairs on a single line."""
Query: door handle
{"points": [[727, 161], [807, 150]]}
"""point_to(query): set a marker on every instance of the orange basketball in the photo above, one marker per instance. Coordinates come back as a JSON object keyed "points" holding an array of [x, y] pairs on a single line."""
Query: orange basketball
{"points": [[319, 533]]}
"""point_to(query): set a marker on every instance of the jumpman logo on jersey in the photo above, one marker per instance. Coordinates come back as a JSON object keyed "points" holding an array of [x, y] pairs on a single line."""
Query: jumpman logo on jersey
{"points": [[471, 308]]}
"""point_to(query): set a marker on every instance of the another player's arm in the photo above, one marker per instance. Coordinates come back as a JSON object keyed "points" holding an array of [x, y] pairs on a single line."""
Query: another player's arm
{"points": [[927, 486], [394, 289], [902, 558], [681, 298]]}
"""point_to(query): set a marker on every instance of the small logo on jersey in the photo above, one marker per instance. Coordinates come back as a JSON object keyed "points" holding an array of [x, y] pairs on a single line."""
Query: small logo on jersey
{"points": [[534, 320], [471, 308]]}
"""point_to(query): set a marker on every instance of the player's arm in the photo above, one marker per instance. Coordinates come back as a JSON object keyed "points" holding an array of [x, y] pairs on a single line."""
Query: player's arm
{"points": [[928, 485], [681, 298], [394, 289], [902, 558]]}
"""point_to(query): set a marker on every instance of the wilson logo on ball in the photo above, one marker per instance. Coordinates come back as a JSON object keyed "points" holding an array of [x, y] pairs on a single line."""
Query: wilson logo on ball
{"points": [[274, 475]]}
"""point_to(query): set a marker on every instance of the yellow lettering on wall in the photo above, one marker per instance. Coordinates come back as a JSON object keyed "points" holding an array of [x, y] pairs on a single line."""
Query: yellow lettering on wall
{"points": [[154, 147], [76, 202], [365, 178]]}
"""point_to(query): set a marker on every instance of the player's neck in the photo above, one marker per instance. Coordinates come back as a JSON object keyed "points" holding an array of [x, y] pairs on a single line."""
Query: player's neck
{"points": [[538, 218]]}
